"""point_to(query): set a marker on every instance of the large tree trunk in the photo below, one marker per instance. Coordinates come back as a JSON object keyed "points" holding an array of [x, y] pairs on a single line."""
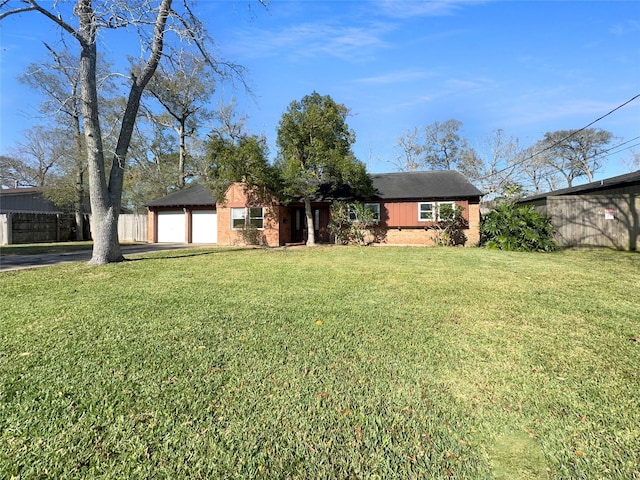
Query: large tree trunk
{"points": [[311, 234], [104, 218], [106, 197]]}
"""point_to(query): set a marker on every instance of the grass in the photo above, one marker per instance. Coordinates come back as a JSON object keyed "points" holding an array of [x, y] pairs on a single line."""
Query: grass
{"points": [[323, 363], [38, 248]]}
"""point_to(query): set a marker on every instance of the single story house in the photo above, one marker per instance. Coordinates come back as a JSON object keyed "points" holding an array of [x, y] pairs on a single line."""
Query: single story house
{"points": [[406, 204], [605, 213]]}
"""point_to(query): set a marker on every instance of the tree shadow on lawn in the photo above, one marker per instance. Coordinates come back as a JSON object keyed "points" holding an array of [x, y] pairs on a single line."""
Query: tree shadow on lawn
{"points": [[176, 254]]}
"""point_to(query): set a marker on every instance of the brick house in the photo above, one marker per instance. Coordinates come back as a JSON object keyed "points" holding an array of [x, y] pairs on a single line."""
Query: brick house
{"points": [[406, 204]]}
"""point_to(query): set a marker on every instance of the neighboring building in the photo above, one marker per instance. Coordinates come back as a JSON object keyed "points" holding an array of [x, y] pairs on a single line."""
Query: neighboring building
{"points": [[407, 205], [605, 213], [26, 216], [26, 200]]}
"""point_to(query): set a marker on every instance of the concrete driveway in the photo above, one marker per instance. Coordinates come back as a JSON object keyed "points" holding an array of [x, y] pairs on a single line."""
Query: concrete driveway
{"points": [[19, 262]]}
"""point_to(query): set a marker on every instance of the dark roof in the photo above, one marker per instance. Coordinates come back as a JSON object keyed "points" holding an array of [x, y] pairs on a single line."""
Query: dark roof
{"points": [[26, 200], [414, 185], [632, 178], [195, 195]]}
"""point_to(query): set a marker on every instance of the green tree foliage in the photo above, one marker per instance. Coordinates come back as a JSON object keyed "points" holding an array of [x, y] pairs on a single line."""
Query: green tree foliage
{"points": [[241, 159], [518, 228], [314, 144]]}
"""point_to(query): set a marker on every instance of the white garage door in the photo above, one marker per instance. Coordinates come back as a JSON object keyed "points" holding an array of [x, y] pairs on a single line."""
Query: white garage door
{"points": [[171, 227], [204, 226]]}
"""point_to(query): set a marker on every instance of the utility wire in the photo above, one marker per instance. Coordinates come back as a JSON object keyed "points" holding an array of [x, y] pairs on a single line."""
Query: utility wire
{"points": [[558, 142]]}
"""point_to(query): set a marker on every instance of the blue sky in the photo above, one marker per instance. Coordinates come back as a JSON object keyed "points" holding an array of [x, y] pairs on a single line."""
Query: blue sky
{"points": [[524, 67]]}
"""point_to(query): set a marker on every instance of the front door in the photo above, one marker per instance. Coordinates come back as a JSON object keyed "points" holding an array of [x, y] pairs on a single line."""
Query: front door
{"points": [[299, 230]]}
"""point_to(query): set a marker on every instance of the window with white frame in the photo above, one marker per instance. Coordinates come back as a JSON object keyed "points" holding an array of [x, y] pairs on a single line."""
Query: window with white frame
{"points": [[256, 217], [238, 218], [372, 207], [430, 211], [453, 207], [426, 211], [242, 217]]}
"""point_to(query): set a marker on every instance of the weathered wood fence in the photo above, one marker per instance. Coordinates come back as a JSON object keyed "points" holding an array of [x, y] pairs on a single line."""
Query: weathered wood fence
{"points": [[132, 227], [20, 228]]}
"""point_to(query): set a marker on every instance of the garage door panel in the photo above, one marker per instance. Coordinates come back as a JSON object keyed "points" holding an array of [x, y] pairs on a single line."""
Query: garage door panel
{"points": [[204, 226], [171, 227]]}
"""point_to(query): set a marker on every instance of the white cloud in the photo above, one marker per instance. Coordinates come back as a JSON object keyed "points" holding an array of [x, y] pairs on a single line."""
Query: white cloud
{"points": [[310, 39], [395, 77], [413, 8]]}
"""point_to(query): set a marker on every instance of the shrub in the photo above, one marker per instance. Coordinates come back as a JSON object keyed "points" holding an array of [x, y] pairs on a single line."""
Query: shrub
{"points": [[518, 228], [450, 226], [352, 223]]}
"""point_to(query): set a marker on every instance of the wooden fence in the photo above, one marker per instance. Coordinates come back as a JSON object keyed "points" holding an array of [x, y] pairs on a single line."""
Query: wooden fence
{"points": [[132, 227], [20, 228]]}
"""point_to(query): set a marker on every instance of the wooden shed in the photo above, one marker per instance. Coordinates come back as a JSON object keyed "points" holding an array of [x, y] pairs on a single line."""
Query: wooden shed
{"points": [[605, 213]]}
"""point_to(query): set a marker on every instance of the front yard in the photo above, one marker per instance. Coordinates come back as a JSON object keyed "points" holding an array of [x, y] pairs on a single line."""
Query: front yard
{"points": [[324, 363]]}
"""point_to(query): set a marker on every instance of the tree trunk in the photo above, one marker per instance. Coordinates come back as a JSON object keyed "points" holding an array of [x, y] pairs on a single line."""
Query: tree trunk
{"points": [[311, 234], [104, 218], [182, 154], [78, 206]]}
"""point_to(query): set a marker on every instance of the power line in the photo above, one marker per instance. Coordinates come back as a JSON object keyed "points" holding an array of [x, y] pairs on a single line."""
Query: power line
{"points": [[558, 142]]}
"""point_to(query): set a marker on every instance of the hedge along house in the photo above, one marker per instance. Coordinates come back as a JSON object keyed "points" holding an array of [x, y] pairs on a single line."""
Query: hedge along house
{"points": [[605, 213], [406, 205]]}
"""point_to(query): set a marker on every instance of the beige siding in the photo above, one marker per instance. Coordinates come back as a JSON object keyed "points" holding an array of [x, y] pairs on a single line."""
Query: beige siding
{"points": [[603, 220]]}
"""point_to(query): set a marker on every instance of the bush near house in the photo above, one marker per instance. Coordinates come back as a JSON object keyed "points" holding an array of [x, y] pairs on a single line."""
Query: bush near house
{"points": [[517, 228]]}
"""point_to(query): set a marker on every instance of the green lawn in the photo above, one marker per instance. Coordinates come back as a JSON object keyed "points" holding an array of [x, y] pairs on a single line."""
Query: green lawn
{"points": [[324, 363]]}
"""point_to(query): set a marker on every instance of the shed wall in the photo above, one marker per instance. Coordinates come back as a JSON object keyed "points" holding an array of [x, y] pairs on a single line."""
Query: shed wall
{"points": [[596, 220]]}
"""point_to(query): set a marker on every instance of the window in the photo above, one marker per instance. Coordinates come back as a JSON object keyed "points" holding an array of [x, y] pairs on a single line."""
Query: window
{"points": [[375, 209], [372, 207], [426, 211], [256, 217], [453, 207], [238, 216], [240, 220]]}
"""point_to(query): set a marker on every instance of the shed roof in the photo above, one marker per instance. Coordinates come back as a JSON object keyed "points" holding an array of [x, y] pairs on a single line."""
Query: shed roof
{"points": [[194, 195], [26, 200], [632, 178], [430, 184]]}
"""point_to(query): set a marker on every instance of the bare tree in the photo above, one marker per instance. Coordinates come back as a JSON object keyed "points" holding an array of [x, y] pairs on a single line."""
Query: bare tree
{"points": [[59, 81], [409, 158], [35, 159], [88, 21], [533, 170], [496, 165], [183, 88], [576, 153]]}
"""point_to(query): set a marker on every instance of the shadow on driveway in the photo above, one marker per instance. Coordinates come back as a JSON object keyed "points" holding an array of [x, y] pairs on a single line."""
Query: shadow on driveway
{"points": [[20, 262]]}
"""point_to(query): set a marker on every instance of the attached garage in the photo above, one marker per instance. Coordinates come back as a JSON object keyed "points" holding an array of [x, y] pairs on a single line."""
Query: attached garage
{"points": [[204, 226], [185, 216], [171, 226]]}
